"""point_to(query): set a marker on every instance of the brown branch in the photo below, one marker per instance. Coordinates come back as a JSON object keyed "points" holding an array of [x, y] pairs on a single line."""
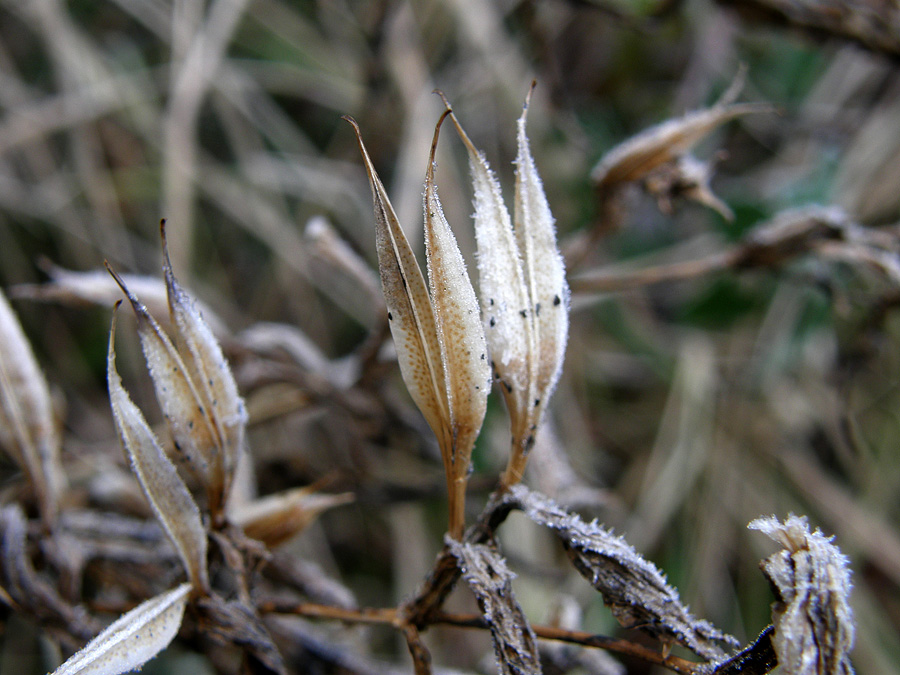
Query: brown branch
{"points": [[756, 659], [445, 573], [388, 616], [420, 655], [585, 639]]}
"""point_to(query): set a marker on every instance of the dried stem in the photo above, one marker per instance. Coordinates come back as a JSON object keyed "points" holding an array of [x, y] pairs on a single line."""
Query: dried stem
{"points": [[390, 616]]}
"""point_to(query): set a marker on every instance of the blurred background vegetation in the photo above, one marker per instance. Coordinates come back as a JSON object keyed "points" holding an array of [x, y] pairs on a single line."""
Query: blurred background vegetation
{"points": [[686, 408]]}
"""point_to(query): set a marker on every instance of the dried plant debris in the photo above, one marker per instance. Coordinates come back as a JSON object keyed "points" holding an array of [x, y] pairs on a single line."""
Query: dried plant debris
{"points": [[235, 623], [29, 591], [436, 328], [814, 629], [757, 657], [634, 589], [172, 504], [524, 293], [133, 639], [28, 431], [486, 573]]}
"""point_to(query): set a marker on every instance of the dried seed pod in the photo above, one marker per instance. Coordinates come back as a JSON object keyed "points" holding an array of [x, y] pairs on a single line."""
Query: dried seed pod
{"points": [[178, 397], [633, 159], [460, 336], [410, 313], [27, 429], [438, 334], [133, 639], [504, 294], [658, 156], [814, 629], [213, 382], [276, 518], [524, 293], [168, 496], [195, 389]]}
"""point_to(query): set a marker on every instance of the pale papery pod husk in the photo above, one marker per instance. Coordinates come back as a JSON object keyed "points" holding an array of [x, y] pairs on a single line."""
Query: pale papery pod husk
{"points": [[212, 378], [27, 428], [459, 329], [182, 406], [633, 159], [276, 518], [133, 639], [487, 575], [548, 290], [814, 629], [410, 313], [169, 497], [504, 296]]}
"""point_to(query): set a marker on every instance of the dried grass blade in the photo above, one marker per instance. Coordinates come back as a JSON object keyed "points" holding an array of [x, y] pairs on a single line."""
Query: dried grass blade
{"points": [[133, 639], [211, 374], [166, 492], [460, 337], [96, 287], [181, 404], [515, 645], [27, 428], [632, 587], [409, 307]]}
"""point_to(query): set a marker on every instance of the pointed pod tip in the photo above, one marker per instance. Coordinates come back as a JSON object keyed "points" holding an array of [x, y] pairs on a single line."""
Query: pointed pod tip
{"points": [[139, 309], [443, 98], [528, 95], [429, 176], [352, 122], [167, 262], [118, 280]]}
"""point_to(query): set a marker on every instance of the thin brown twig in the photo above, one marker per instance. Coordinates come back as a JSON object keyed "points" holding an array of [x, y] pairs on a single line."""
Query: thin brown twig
{"points": [[584, 639], [420, 654], [391, 616], [386, 616]]}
